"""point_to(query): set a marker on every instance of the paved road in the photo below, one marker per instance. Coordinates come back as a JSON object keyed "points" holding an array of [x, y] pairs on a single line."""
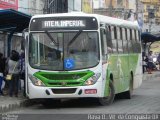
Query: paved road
{"points": [[146, 99]]}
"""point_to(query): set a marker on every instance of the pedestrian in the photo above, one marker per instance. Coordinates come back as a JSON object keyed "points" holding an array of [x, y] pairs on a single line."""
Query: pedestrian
{"points": [[22, 70], [6, 86], [13, 69], [150, 62], [158, 60], [144, 60], [1, 73]]}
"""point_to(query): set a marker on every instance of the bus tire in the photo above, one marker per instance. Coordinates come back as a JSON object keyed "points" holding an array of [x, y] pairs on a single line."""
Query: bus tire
{"points": [[128, 94], [109, 99]]}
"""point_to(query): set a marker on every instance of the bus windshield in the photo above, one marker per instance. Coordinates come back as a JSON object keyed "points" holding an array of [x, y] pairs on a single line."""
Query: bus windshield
{"points": [[63, 50]]}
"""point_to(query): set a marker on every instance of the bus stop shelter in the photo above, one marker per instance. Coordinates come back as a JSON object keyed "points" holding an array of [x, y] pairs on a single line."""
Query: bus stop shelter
{"points": [[12, 21], [148, 38]]}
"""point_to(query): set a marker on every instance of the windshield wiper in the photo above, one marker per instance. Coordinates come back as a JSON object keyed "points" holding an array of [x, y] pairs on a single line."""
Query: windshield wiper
{"points": [[51, 38], [74, 38]]}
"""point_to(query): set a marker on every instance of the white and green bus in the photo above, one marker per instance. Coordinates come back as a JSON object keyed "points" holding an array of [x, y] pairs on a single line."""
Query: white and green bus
{"points": [[78, 55]]}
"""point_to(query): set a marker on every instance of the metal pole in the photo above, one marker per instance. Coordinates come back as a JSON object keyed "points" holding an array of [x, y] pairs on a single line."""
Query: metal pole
{"points": [[110, 8], [81, 5], [73, 6], [137, 9]]}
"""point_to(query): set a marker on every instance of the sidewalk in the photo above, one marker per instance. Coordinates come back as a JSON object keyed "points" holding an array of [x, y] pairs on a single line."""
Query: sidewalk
{"points": [[11, 103], [147, 76]]}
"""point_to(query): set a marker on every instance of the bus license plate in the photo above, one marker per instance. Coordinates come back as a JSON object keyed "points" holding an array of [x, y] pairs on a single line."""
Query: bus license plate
{"points": [[90, 91]]}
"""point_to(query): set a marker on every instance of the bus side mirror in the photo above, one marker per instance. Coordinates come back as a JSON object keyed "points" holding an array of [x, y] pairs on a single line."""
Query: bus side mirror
{"points": [[25, 34], [25, 37]]}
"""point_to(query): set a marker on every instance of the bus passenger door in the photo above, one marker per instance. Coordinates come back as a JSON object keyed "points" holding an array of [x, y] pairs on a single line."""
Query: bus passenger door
{"points": [[104, 56], [109, 58]]}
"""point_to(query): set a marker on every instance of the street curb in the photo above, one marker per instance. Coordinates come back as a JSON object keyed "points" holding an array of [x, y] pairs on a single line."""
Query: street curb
{"points": [[150, 76], [12, 106], [16, 105]]}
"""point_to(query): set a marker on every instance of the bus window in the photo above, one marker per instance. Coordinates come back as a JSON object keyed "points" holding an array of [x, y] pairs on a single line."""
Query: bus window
{"points": [[109, 40], [121, 35], [103, 44], [118, 33], [131, 34], [125, 42], [138, 41], [130, 49], [119, 40], [115, 33], [135, 35], [133, 41], [114, 39]]}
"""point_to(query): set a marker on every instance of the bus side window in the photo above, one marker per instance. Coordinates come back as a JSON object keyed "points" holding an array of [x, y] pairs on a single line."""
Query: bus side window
{"points": [[129, 41], [125, 42], [114, 38], [103, 44], [109, 40], [119, 40], [138, 41], [134, 42]]}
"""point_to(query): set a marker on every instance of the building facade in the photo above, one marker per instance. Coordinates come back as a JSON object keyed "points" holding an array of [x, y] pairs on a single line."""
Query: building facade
{"points": [[23, 6], [151, 15], [55, 6], [114, 8], [31, 7], [87, 6], [63, 6], [9, 4], [74, 5], [36, 7]]}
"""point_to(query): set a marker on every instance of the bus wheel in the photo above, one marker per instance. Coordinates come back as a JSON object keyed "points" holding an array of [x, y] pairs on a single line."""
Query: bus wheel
{"points": [[109, 99], [128, 94]]}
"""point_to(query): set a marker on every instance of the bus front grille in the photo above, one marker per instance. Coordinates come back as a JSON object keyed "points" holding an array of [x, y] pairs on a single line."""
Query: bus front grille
{"points": [[66, 83], [64, 91]]}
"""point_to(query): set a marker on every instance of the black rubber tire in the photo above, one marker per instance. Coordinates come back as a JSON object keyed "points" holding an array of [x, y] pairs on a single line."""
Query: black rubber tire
{"points": [[109, 99], [128, 94]]}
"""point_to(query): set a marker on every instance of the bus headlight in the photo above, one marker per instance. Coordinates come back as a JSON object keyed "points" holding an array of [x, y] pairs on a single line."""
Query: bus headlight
{"points": [[36, 81], [92, 80]]}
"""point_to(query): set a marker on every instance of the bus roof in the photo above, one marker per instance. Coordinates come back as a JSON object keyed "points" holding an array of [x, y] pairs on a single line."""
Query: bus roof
{"points": [[101, 19]]}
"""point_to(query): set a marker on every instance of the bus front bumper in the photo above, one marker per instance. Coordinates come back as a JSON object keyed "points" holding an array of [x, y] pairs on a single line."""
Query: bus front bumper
{"points": [[65, 92]]}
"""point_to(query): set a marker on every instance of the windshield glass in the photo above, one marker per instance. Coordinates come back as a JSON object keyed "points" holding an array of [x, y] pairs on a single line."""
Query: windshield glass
{"points": [[63, 51]]}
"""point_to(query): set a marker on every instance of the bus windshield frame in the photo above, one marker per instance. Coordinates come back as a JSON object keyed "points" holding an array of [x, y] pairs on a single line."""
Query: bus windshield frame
{"points": [[64, 50]]}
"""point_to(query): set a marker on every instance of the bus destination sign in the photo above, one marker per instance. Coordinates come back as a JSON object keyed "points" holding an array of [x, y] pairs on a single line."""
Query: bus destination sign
{"points": [[63, 23]]}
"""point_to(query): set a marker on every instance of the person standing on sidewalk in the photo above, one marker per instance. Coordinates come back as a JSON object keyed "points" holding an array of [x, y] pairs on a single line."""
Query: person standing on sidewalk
{"points": [[13, 68], [1, 73], [150, 62], [158, 60]]}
